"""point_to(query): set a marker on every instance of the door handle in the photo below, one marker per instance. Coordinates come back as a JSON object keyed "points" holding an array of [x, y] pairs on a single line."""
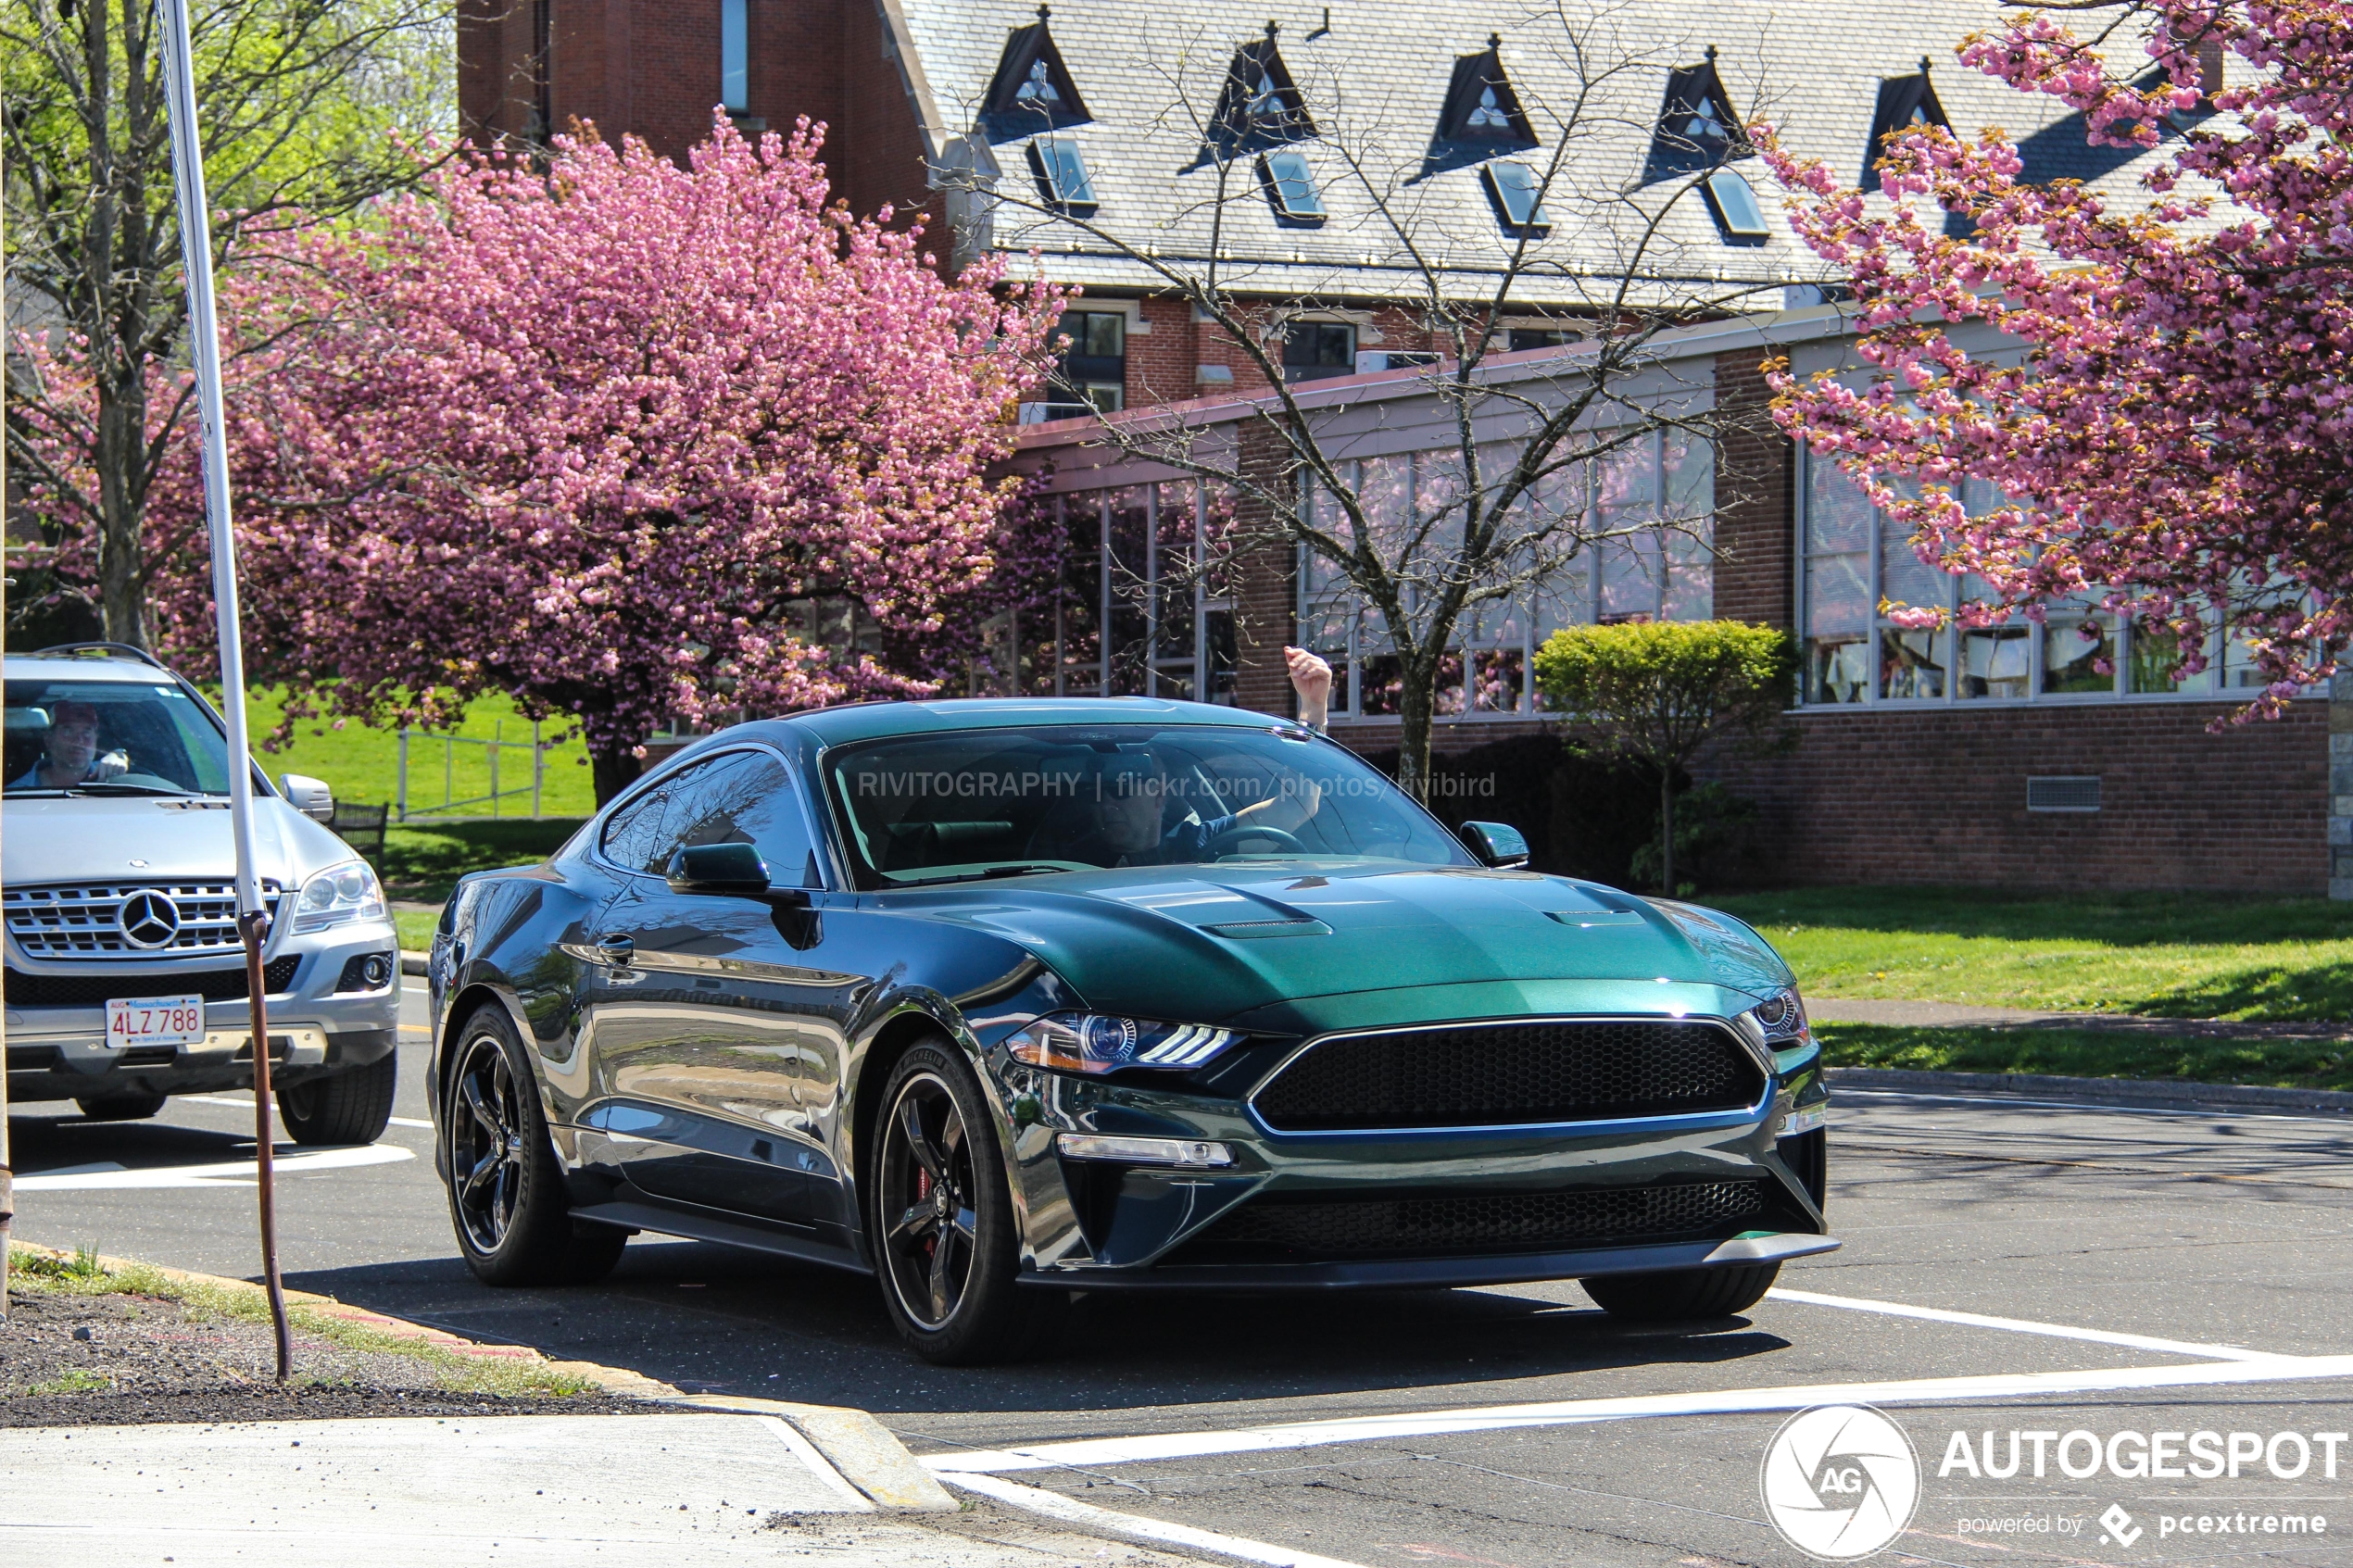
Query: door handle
{"points": [[618, 949]]}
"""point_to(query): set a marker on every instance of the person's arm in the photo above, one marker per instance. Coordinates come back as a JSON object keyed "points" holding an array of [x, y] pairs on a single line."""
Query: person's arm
{"points": [[1312, 679]]}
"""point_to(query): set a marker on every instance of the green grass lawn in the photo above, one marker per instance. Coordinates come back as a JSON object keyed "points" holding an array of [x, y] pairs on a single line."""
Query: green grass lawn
{"points": [[2091, 1053], [2173, 955], [363, 765]]}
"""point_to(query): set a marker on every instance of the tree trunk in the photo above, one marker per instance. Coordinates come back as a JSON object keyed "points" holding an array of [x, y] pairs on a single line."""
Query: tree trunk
{"points": [[1413, 739], [1666, 831], [615, 771], [122, 568]]}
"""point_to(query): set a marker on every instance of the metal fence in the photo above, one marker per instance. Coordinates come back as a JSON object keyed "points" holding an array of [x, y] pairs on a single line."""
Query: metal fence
{"points": [[466, 769]]}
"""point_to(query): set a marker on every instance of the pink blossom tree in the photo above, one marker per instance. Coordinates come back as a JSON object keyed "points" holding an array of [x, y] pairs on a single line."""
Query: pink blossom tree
{"points": [[628, 440], [2174, 440]]}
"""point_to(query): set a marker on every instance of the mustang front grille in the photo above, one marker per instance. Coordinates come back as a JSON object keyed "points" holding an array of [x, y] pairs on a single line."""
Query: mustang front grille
{"points": [[95, 990], [1283, 1230], [1511, 1073], [85, 920]]}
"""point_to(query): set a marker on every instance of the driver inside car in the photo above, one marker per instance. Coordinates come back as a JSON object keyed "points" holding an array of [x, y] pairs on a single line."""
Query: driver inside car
{"points": [[1128, 802], [70, 752]]}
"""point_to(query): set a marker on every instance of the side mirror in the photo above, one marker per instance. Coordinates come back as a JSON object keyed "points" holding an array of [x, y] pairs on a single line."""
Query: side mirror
{"points": [[1496, 844], [718, 868], [312, 797]]}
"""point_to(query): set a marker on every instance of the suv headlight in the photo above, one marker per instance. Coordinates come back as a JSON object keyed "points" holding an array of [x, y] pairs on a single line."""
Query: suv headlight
{"points": [[339, 895], [1780, 1020], [1091, 1042]]}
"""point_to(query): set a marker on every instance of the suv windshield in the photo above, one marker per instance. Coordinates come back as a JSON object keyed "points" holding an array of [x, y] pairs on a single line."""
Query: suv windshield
{"points": [[1067, 797], [103, 737]]}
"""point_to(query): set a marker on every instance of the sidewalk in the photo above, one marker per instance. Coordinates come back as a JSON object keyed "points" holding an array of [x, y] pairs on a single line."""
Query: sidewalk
{"points": [[690, 1487], [1963, 1015]]}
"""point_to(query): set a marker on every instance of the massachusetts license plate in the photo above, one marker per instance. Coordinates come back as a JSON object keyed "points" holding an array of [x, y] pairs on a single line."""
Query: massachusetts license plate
{"points": [[155, 1020]]}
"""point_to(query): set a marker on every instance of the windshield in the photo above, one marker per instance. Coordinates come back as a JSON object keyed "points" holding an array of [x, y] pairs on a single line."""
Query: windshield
{"points": [[102, 737], [984, 803]]}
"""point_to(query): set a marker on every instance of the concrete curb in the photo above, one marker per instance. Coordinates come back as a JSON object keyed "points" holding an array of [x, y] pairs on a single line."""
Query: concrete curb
{"points": [[865, 1451], [862, 1450], [612, 1380], [2099, 1091], [415, 963]]}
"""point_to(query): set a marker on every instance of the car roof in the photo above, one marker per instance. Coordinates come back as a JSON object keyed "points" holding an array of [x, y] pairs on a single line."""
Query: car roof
{"points": [[881, 721], [84, 666]]}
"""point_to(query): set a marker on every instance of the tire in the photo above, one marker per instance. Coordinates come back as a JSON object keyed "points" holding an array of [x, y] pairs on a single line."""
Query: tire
{"points": [[350, 1107], [120, 1108], [1682, 1295], [941, 1215], [507, 1198]]}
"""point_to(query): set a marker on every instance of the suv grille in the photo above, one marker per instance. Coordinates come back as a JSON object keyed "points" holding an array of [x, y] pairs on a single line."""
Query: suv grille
{"points": [[1511, 1073], [83, 919], [94, 990], [1473, 1224]]}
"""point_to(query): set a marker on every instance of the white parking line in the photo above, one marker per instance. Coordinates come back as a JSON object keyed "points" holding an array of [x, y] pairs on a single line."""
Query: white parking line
{"points": [[1571, 1412], [1129, 1526], [2022, 1325], [227, 1173], [246, 1105]]}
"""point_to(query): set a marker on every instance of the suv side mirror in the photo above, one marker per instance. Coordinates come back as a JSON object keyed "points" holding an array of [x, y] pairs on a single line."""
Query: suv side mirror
{"points": [[734, 869], [310, 796], [1496, 844]]}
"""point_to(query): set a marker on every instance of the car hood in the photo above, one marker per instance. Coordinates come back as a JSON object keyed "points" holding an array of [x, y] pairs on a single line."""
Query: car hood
{"points": [[85, 837], [1214, 944]]}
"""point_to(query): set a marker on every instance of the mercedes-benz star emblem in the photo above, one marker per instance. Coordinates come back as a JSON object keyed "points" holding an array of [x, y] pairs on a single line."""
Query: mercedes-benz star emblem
{"points": [[149, 919]]}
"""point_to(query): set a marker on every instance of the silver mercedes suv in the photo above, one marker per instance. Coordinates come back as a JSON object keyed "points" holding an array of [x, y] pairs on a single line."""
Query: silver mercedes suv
{"points": [[126, 978]]}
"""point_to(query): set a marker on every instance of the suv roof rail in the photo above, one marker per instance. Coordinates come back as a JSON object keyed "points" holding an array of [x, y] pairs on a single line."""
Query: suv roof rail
{"points": [[115, 649]]}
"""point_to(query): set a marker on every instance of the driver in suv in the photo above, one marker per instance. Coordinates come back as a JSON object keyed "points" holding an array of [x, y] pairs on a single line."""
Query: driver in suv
{"points": [[125, 974]]}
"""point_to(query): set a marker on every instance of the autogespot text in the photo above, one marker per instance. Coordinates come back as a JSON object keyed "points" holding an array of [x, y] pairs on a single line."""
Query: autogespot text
{"points": [[2137, 1456]]}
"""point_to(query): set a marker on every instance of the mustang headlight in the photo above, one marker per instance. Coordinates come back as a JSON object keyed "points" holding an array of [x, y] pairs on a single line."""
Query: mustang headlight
{"points": [[338, 895], [1780, 1019], [1094, 1042]]}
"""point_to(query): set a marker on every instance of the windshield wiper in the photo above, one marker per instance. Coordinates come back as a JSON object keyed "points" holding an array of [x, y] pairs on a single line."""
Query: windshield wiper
{"points": [[1027, 868], [115, 786]]}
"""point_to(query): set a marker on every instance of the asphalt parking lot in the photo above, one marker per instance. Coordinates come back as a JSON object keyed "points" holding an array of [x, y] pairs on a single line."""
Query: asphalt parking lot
{"points": [[2010, 1266]]}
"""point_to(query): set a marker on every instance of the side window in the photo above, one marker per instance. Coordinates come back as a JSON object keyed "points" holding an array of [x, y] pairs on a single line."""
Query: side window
{"points": [[742, 798], [636, 837]]}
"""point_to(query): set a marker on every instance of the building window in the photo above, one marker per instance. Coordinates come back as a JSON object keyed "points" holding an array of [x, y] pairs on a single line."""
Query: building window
{"points": [[1092, 372], [1661, 573], [1313, 350], [1904, 103], [1290, 186], [735, 55], [1518, 338], [1480, 106], [1734, 206], [1146, 604], [1518, 195], [1854, 558], [1062, 174]]}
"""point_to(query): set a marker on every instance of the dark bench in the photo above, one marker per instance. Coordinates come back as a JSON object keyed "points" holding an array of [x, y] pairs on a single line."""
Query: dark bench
{"points": [[362, 827]]}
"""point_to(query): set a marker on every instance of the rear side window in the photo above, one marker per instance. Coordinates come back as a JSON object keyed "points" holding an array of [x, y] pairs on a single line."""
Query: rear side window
{"points": [[737, 798]]}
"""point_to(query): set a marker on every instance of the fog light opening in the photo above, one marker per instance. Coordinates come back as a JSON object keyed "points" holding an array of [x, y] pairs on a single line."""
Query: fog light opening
{"points": [[1189, 1153]]}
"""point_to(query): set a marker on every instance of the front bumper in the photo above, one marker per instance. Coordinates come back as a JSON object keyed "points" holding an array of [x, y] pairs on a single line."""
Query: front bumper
{"points": [[1096, 1225], [62, 1052]]}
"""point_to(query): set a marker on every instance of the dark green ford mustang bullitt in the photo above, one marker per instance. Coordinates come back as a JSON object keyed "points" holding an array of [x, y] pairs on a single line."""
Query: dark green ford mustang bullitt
{"points": [[1004, 1000]]}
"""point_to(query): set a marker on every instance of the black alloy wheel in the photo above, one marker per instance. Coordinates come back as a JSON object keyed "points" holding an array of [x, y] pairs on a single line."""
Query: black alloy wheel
{"points": [[486, 1144], [933, 1231], [946, 1238], [508, 1201]]}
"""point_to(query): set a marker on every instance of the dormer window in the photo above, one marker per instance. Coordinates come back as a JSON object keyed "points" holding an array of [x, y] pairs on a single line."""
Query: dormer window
{"points": [[1732, 203], [1480, 106], [1261, 106], [1032, 92], [1906, 103], [1698, 129], [1062, 174]]}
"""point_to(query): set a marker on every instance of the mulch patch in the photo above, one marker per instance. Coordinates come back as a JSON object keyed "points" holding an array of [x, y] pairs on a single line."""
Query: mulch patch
{"points": [[83, 1361]]}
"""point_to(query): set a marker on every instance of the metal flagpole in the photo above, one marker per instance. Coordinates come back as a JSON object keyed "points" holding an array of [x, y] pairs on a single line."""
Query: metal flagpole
{"points": [[253, 919], [7, 1184]]}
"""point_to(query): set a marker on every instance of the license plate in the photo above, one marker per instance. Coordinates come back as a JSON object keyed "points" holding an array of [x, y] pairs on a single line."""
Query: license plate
{"points": [[155, 1020]]}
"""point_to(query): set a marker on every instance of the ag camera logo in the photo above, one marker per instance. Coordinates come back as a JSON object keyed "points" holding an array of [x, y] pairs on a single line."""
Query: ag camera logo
{"points": [[1840, 1482]]}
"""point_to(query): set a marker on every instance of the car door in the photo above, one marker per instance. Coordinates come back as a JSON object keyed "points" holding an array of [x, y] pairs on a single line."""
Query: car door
{"points": [[707, 1009]]}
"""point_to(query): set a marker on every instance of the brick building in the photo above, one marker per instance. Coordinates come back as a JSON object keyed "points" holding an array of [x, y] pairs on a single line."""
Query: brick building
{"points": [[1084, 137]]}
